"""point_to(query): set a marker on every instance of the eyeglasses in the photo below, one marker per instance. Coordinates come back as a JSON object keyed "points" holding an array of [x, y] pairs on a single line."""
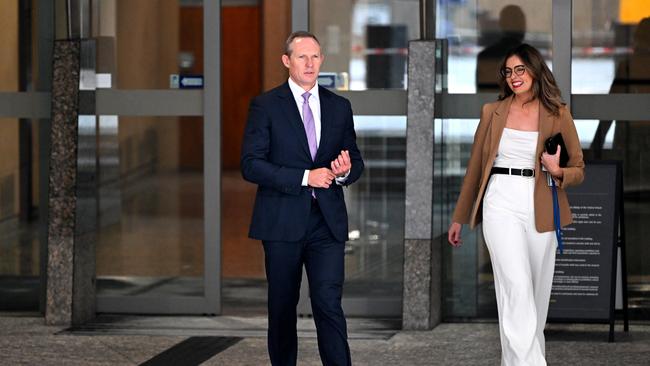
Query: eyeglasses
{"points": [[507, 72]]}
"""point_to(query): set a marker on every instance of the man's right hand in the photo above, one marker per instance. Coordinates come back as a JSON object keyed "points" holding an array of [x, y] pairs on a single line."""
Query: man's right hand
{"points": [[320, 178]]}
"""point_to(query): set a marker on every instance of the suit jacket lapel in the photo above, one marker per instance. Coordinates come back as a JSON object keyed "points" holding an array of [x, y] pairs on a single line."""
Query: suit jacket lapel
{"points": [[545, 127], [290, 109], [325, 120], [498, 123]]}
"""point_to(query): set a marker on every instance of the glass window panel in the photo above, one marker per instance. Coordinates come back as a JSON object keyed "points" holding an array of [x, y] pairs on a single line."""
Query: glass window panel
{"points": [[10, 55], [244, 287], [9, 168], [19, 220], [611, 47], [366, 41], [141, 44], [468, 287], [375, 203], [151, 233], [20, 45], [628, 141], [480, 33], [20, 224]]}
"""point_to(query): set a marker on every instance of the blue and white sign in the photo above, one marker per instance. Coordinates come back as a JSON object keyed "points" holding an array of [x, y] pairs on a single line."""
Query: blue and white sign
{"points": [[333, 80], [327, 80], [190, 82]]}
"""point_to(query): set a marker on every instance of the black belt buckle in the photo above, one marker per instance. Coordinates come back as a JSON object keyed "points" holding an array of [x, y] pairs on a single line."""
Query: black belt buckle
{"points": [[527, 173]]}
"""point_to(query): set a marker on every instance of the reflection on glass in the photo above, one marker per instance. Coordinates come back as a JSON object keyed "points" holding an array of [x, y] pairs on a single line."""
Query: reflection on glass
{"points": [[468, 287], [19, 165], [629, 142], [142, 44], [20, 41], [512, 31], [19, 221], [9, 57], [622, 38], [611, 47], [151, 234], [374, 254], [244, 287], [366, 41], [480, 32]]}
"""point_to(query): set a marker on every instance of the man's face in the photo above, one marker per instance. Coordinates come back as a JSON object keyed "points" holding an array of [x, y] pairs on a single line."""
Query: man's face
{"points": [[304, 62]]}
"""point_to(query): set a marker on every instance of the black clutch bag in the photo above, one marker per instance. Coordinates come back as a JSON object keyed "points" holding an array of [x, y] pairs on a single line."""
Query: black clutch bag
{"points": [[551, 145]]}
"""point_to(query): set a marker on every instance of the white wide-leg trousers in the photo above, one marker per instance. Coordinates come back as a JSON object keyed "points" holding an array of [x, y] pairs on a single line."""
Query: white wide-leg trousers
{"points": [[523, 262]]}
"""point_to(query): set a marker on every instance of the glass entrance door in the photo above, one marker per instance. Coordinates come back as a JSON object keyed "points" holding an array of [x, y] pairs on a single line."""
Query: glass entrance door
{"points": [[366, 48], [158, 153], [25, 82]]}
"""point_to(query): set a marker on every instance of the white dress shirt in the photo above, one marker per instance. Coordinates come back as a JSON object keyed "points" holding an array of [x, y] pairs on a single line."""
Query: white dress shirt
{"points": [[314, 104]]}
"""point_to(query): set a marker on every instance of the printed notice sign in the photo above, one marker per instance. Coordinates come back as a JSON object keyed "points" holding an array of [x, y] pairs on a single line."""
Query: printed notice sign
{"points": [[584, 273]]}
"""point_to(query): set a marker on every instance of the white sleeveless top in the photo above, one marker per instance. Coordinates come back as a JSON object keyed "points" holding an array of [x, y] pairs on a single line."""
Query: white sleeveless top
{"points": [[517, 149]]}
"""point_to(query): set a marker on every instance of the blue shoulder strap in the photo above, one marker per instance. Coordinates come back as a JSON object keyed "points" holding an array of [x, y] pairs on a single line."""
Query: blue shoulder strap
{"points": [[556, 218]]}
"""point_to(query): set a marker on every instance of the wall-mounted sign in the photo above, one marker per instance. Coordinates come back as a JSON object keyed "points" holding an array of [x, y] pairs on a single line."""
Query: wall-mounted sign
{"points": [[185, 81]]}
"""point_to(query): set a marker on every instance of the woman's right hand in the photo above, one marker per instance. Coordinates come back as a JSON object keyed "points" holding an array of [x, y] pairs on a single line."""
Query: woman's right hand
{"points": [[453, 234]]}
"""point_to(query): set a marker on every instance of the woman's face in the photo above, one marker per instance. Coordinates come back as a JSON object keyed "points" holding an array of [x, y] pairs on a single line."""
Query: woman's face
{"points": [[517, 76]]}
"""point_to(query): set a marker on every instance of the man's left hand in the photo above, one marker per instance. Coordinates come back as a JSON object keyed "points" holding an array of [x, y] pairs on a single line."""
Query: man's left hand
{"points": [[342, 164]]}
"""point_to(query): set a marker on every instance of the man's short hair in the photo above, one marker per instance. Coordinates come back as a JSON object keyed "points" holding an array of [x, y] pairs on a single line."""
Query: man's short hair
{"points": [[293, 36]]}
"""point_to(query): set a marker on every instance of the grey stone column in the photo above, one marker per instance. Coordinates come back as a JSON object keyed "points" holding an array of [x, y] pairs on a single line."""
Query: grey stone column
{"points": [[422, 256], [72, 213]]}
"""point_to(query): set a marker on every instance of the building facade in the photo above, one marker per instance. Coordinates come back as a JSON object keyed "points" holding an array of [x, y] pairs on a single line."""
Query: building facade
{"points": [[159, 128]]}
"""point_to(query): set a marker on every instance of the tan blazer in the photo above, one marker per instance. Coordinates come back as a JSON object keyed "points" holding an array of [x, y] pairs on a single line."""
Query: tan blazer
{"points": [[484, 150]]}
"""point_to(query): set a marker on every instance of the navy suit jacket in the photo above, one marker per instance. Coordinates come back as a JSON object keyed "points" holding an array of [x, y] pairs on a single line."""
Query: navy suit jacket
{"points": [[275, 155]]}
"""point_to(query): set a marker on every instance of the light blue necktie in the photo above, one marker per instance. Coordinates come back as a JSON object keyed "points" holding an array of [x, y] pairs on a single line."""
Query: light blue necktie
{"points": [[310, 126]]}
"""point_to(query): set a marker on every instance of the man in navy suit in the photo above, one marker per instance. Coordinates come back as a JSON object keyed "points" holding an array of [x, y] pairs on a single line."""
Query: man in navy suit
{"points": [[300, 149]]}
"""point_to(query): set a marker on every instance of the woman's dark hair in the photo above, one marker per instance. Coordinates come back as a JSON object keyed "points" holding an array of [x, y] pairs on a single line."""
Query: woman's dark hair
{"points": [[544, 86]]}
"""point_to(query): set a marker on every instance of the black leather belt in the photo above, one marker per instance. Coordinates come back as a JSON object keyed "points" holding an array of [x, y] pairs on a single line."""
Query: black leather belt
{"points": [[513, 171]]}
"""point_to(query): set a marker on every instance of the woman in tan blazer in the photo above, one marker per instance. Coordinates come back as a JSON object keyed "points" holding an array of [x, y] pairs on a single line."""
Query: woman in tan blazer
{"points": [[506, 188]]}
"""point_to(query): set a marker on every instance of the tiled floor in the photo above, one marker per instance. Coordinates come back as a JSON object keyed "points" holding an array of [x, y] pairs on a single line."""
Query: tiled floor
{"points": [[132, 341]]}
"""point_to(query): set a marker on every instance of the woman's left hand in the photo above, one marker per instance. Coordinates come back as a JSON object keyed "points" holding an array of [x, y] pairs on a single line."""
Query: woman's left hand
{"points": [[552, 162]]}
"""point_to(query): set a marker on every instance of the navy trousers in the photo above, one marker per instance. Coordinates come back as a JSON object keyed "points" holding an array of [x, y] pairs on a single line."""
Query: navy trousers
{"points": [[323, 259]]}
